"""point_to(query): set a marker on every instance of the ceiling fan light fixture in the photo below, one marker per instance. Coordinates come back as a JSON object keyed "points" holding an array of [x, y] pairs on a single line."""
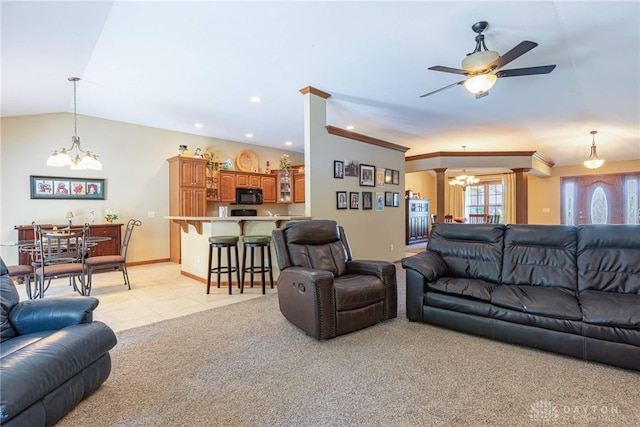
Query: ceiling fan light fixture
{"points": [[480, 84], [593, 162], [478, 61]]}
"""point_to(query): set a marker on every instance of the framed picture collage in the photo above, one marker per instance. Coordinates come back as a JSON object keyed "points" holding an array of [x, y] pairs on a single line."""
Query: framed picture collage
{"points": [[368, 176]]}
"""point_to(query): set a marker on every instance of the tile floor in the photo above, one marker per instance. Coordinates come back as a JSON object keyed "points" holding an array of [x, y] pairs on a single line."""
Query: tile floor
{"points": [[158, 292]]}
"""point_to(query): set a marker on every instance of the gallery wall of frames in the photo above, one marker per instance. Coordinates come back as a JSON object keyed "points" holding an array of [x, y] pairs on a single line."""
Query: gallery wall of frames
{"points": [[381, 181]]}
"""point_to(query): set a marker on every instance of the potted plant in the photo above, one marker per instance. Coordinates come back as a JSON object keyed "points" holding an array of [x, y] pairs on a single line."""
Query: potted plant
{"points": [[110, 216]]}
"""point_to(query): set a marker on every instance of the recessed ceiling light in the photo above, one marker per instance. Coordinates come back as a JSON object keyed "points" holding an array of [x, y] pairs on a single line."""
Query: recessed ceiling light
{"points": [[248, 135], [351, 127], [199, 125], [255, 99], [288, 143]]}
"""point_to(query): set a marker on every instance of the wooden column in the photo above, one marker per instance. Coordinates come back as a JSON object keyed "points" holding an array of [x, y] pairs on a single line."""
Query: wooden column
{"points": [[440, 185], [522, 195]]}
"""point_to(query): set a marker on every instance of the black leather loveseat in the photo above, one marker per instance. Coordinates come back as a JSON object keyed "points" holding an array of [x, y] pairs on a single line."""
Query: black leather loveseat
{"points": [[52, 355], [569, 290]]}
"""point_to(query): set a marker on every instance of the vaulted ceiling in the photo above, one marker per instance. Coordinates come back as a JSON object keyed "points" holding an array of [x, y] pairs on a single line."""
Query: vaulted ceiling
{"points": [[174, 64]]}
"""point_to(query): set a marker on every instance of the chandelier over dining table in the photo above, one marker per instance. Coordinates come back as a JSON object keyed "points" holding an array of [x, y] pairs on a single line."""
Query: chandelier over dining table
{"points": [[82, 159]]}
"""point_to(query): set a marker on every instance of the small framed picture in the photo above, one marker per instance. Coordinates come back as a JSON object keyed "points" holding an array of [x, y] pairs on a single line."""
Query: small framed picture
{"points": [[351, 167], [388, 176], [354, 200], [380, 172], [396, 200], [395, 177], [367, 200], [341, 199], [338, 169], [367, 175], [380, 201], [388, 198]]}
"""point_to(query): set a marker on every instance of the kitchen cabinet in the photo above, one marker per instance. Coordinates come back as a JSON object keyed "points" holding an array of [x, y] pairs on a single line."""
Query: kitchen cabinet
{"points": [[268, 185], [298, 187], [187, 195], [417, 220], [107, 247], [284, 187], [227, 184]]}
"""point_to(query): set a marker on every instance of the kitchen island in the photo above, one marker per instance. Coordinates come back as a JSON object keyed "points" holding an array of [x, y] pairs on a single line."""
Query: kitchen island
{"points": [[195, 233]]}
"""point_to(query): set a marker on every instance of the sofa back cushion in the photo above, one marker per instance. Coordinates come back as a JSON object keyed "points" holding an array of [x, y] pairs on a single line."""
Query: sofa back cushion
{"points": [[316, 244], [540, 255], [471, 251], [609, 258], [8, 298]]}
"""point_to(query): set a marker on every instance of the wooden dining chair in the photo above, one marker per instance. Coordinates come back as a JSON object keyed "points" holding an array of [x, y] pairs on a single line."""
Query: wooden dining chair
{"points": [[448, 218], [477, 218], [110, 262], [60, 254]]}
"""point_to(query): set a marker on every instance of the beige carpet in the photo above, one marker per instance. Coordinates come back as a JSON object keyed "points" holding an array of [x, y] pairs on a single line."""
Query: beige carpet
{"points": [[245, 365]]}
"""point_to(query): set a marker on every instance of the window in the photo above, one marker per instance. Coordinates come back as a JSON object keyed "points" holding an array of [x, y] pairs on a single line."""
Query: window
{"points": [[484, 198]]}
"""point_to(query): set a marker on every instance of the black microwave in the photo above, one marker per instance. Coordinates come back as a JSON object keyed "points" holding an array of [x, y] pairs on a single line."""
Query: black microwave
{"points": [[248, 196]]}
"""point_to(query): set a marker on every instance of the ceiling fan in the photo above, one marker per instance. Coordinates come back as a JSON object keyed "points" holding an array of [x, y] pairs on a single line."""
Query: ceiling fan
{"points": [[479, 65]]}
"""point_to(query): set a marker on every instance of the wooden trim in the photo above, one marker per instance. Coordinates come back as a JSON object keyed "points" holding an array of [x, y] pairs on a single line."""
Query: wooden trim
{"points": [[314, 91], [194, 277], [364, 138], [533, 154], [151, 261]]}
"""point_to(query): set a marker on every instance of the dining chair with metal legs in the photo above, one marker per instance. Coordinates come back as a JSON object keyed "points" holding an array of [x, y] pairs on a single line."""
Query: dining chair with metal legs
{"points": [[61, 254], [110, 262]]}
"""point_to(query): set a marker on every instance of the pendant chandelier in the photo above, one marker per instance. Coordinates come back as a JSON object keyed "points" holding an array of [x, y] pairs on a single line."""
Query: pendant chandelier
{"points": [[63, 156], [593, 162], [464, 180]]}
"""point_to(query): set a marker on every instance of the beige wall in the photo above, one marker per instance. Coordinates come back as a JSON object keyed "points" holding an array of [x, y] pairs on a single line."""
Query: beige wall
{"points": [[544, 193], [135, 168], [372, 234]]}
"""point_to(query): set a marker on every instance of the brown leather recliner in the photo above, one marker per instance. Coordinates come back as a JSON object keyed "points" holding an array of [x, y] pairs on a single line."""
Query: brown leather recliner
{"points": [[321, 289]]}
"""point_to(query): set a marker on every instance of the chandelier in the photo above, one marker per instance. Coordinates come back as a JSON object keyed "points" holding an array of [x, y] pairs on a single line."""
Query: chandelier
{"points": [[464, 180], [593, 162], [61, 157]]}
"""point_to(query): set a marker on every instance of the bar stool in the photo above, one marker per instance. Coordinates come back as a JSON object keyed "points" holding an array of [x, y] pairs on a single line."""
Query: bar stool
{"points": [[221, 242], [250, 243]]}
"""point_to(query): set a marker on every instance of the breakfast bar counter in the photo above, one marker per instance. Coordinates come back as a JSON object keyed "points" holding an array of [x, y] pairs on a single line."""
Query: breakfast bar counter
{"points": [[195, 233]]}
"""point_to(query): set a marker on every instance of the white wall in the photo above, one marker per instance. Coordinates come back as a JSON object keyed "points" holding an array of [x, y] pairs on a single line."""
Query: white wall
{"points": [[135, 168]]}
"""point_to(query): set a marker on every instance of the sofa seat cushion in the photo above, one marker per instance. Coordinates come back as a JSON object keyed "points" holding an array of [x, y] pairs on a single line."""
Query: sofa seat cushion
{"points": [[354, 291], [457, 304], [471, 288], [611, 309], [543, 322], [557, 303]]}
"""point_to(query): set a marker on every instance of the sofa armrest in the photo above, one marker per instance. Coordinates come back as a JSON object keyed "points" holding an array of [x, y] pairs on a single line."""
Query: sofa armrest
{"points": [[51, 314], [386, 271], [305, 297], [421, 269], [429, 264]]}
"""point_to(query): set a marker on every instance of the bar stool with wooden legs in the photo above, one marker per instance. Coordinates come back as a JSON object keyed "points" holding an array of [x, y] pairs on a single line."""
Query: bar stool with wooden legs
{"points": [[221, 242], [249, 244]]}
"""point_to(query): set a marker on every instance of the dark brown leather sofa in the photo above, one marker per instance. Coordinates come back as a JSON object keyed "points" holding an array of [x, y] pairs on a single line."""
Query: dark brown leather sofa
{"points": [[564, 289], [321, 289]]}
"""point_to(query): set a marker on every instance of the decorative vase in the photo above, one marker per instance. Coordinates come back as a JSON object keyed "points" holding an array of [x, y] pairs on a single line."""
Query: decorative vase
{"points": [[109, 220]]}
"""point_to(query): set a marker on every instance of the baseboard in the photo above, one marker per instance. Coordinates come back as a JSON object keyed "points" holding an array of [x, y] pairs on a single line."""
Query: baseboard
{"points": [[151, 261]]}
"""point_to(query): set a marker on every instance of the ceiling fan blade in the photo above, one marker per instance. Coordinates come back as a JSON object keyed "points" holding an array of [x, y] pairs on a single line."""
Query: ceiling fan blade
{"points": [[514, 53], [449, 70], [530, 71], [442, 88]]}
